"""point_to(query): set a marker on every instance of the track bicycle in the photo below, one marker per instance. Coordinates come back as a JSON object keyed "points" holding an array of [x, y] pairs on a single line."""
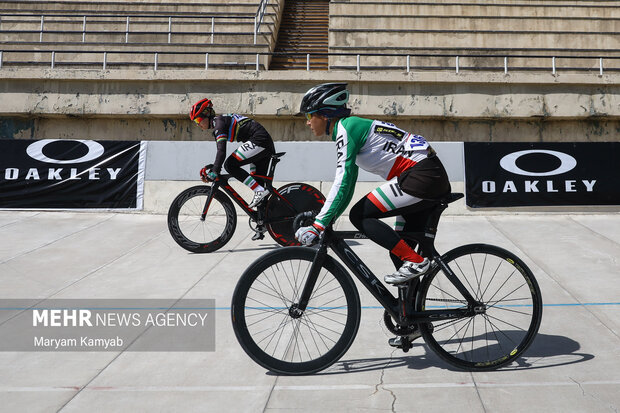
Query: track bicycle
{"points": [[202, 218], [297, 310]]}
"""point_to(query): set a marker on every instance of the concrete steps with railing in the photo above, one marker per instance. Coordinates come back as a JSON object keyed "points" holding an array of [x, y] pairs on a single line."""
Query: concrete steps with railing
{"points": [[76, 29], [303, 30], [197, 7], [478, 8], [136, 56], [539, 29]]}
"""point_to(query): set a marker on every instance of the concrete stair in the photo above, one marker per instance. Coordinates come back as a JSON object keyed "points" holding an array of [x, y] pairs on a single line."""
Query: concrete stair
{"points": [[534, 30], [139, 27], [303, 31]]}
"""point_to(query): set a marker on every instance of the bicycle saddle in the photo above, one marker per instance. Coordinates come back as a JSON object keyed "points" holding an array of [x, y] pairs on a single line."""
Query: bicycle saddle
{"points": [[454, 196]]}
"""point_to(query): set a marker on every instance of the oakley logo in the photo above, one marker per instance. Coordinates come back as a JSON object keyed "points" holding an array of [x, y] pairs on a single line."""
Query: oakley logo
{"points": [[35, 151], [509, 163]]}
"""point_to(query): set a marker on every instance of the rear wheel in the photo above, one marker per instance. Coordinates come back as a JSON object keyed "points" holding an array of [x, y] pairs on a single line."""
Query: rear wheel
{"points": [[194, 233], [281, 211], [504, 323], [277, 337]]}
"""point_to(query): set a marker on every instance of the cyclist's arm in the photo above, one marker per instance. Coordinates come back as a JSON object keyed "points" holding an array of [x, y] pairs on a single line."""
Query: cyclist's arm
{"points": [[220, 135], [344, 182]]}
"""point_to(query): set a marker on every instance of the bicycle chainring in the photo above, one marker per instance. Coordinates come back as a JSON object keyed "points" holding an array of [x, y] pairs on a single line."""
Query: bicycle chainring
{"points": [[396, 329], [255, 227]]}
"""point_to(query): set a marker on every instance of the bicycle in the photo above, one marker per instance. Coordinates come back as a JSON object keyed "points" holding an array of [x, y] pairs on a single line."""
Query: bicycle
{"points": [[202, 218], [297, 310]]}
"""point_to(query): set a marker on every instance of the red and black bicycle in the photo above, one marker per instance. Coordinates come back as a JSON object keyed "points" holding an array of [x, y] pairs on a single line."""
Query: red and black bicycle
{"points": [[203, 218]]}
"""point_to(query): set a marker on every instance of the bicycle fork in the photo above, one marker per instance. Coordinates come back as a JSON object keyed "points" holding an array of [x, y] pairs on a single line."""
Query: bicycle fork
{"points": [[297, 309], [208, 202]]}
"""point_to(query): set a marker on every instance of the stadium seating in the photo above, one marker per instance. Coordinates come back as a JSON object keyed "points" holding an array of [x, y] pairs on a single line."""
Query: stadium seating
{"points": [[529, 33], [364, 34], [131, 32]]}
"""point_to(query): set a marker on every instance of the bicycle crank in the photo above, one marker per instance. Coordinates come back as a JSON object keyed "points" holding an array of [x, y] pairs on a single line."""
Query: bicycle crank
{"points": [[397, 329], [259, 230]]}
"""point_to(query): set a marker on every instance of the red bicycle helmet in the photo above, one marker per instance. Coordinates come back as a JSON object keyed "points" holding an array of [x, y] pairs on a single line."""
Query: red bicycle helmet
{"points": [[201, 109]]}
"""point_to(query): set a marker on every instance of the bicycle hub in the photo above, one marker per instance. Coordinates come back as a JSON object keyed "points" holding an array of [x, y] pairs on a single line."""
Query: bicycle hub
{"points": [[295, 312]]}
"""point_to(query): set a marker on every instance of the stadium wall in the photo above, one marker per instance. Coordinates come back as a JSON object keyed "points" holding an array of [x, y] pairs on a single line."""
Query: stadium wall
{"points": [[442, 106]]}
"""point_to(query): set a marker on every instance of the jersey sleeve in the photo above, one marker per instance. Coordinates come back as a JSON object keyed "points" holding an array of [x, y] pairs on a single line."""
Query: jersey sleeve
{"points": [[220, 129], [220, 134], [219, 156], [348, 143]]}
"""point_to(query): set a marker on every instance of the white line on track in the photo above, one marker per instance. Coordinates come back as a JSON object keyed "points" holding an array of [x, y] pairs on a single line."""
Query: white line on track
{"points": [[304, 388]]}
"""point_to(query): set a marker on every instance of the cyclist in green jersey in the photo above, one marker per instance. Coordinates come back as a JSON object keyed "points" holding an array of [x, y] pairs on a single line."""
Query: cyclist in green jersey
{"points": [[413, 173]]}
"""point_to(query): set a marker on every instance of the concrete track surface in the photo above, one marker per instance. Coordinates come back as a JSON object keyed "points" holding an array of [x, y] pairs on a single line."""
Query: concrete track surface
{"points": [[572, 366]]}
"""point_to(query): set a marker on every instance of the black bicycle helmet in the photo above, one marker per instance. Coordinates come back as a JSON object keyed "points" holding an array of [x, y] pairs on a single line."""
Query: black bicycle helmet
{"points": [[329, 99]]}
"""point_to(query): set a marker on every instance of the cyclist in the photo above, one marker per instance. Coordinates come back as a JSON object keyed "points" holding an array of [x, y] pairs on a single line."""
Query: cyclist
{"points": [[406, 161], [256, 149]]}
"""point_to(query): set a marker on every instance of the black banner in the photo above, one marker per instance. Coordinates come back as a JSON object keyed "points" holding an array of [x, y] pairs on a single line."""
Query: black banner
{"points": [[69, 174], [542, 174]]}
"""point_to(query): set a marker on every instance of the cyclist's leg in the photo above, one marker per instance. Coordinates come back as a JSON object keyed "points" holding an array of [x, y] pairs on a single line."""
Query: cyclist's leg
{"points": [[385, 201], [411, 222], [260, 165], [399, 223], [247, 153], [399, 226]]}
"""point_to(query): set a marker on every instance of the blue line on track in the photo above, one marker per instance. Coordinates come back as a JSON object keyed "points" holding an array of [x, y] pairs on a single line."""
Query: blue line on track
{"points": [[365, 307]]}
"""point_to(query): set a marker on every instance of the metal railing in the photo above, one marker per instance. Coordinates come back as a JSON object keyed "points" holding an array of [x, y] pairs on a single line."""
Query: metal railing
{"points": [[239, 60], [258, 18], [110, 25]]}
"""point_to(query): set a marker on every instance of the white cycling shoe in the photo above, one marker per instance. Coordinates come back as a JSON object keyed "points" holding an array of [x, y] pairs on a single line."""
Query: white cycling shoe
{"points": [[408, 271], [258, 197], [399, 341]]}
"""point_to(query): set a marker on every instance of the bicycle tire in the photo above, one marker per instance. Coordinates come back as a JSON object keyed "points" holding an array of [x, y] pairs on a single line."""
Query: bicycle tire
{"points": [[302, 197], [194, 234], [505, 285], [265, 328]]}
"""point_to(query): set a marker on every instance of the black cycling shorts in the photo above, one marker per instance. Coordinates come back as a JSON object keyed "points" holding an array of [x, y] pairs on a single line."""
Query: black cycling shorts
{"points": [[426, 179]]}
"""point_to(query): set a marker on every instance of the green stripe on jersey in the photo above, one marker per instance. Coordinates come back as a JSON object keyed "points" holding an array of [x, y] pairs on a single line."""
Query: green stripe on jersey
{"points": [[386, 199]]}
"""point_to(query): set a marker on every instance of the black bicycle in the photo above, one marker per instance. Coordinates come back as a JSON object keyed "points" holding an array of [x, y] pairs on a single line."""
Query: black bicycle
{"points": [[297, 310], [203, 218]]}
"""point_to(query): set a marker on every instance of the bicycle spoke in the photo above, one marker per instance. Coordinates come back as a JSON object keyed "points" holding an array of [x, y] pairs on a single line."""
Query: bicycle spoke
{"points": [[503, 308], [279, 288], [499, 264], [465, 278]]}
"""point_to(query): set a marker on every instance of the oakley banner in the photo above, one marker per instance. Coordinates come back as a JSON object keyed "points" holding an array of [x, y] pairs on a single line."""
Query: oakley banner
{"points": [[71, 174], [542, 174]]}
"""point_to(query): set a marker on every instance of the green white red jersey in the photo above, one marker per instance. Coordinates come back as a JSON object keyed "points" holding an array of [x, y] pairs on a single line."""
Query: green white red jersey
{"points": [[377, 147]]}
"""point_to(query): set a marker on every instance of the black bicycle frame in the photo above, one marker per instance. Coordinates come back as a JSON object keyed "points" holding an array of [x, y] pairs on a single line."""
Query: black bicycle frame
{"points": [[258, 214], [336, 241]]}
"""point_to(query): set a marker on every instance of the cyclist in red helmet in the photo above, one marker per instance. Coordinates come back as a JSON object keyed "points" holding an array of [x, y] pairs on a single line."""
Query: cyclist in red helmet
{"points": [[256, 149]]}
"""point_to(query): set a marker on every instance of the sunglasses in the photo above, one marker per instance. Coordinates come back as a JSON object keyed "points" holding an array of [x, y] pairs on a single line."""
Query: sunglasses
{"points": [[198, 120], [309, 115]]}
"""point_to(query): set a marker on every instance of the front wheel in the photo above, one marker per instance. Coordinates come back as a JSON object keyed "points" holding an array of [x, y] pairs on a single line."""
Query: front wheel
{"points": [[277, 337], [503, 323], [281, 210], [198, 233]]}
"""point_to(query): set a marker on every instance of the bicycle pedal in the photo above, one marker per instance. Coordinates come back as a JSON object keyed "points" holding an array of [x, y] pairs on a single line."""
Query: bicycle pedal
{"points": [[400, 342], [404, 342], [258, 236]]}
